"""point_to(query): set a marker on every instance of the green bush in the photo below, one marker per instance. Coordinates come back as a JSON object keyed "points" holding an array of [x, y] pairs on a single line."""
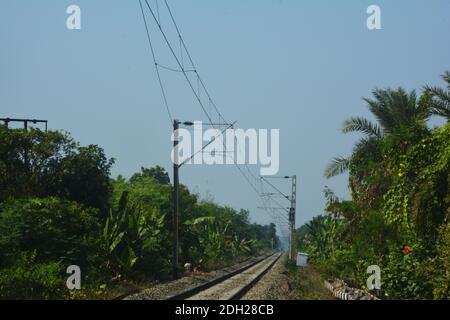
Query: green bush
{"points": [[441, 277], [42, 164], [59, 207], [401, 197], [139, 216], [56, 230], [408, 275], [27, 279]]}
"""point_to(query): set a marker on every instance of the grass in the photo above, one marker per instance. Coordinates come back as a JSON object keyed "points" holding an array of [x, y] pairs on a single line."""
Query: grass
{"points": [[307, 283]]}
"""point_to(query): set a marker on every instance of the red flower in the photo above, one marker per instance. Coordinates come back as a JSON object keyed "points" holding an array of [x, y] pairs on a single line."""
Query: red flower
{"points": [[407, 250]]}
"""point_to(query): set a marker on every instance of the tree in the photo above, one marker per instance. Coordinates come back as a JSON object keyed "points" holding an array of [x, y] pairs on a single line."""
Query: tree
{"points": [[26, 156], [82, 176], [158, 173], [34, 163], [394, 110], [439, 98], [399, 212]]}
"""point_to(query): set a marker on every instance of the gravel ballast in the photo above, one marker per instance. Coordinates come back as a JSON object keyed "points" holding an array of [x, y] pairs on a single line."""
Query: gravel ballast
{"points": [[164, 291], [274, 285]]}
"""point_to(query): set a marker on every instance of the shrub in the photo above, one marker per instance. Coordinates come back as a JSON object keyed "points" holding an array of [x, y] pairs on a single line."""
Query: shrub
{"points": [[442, 265], [34, 163], [27, 279], [56, 230]]}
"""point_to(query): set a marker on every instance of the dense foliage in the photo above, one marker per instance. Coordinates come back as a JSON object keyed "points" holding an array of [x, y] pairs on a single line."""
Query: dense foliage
{"points": [[59, 207], [399, 215], [41, 164]]}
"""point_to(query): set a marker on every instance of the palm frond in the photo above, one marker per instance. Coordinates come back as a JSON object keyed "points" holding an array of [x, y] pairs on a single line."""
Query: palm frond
{"points": [[397, 108], [442, 109], [380, 108], [337, 166], [437, 92], [440, 98], [362, 125], [446, 78]]}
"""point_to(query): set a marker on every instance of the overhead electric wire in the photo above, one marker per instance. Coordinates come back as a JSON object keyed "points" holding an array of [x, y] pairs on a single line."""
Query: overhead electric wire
{"points": [[157, 10], [191, 60], [200, 81], [204, 147], [199, 78], [280, 220], [173, 69], [268, 195], [156, 63], [266, 208], [177, 60], [278, 190]]}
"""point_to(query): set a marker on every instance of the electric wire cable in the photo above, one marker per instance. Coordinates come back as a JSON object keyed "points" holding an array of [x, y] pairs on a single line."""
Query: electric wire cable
{"points": [[200, 82], [156, 63]]}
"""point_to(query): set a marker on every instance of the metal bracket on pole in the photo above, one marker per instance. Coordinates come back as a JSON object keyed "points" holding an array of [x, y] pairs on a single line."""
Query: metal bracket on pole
{"points": [[25, 122]]}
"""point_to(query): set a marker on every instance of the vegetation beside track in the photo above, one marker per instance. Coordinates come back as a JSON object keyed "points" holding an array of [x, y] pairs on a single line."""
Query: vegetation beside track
{"points": [[307, 283], [399, 215], [59, 206]]}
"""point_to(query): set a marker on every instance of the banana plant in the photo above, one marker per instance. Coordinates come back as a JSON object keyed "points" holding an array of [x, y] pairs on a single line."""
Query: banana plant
{"points": [[126, 232], [242, 246], [322, 233], [212, 234]]}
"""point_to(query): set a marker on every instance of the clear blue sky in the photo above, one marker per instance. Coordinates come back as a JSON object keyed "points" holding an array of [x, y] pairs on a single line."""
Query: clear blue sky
{"points": [[300, 66]]}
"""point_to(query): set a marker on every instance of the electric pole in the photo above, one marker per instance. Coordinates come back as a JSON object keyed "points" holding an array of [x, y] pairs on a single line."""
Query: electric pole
{"points": [[176, 182], [290, 211], [175, 200], [292, 217]]}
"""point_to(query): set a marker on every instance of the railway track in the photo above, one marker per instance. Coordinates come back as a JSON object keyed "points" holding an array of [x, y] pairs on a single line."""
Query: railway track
{"points": [[232, 286]]}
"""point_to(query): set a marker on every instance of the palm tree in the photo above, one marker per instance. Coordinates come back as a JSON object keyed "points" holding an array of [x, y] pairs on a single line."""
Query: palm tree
{"points": [[394, 110], [440, 98]]}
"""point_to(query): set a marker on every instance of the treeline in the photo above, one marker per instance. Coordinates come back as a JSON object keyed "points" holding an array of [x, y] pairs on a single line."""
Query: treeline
{"points": [[60, 207], [398, 216]]}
